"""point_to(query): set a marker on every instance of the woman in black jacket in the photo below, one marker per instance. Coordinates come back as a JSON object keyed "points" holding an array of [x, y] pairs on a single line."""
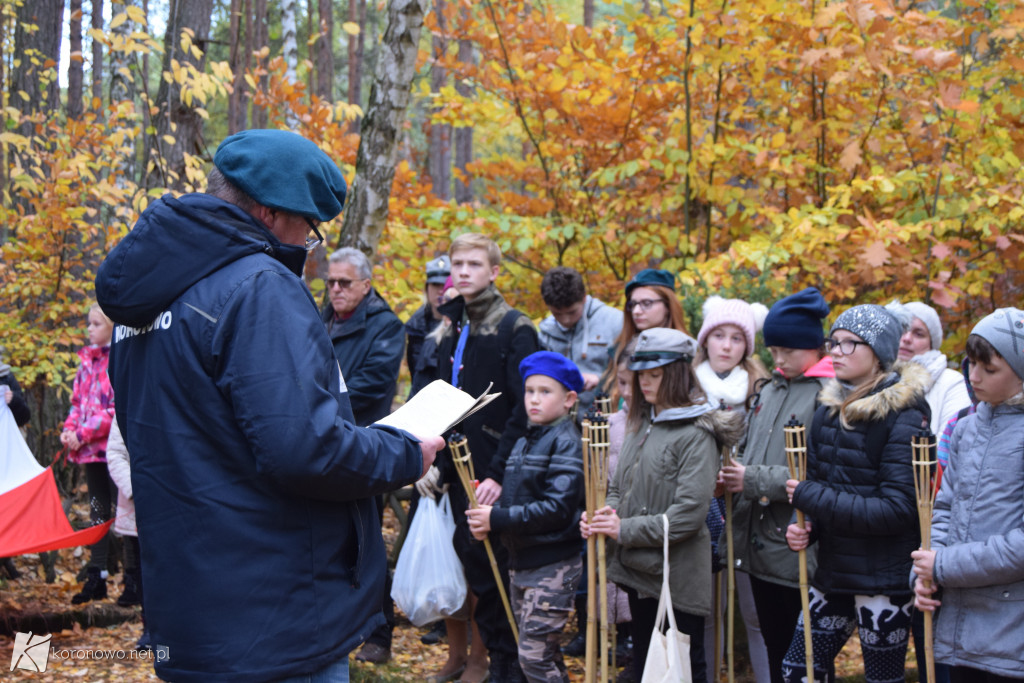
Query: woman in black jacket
{"points": [[10, 391], [11, 394], [859, 499]]}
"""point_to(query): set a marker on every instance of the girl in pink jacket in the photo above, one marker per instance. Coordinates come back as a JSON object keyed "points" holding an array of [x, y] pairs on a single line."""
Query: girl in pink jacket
{"points": [[85, 436]]}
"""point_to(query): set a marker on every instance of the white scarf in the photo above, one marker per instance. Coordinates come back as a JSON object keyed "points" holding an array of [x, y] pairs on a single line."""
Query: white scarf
{"points": [[733, 389], [934, 362]]}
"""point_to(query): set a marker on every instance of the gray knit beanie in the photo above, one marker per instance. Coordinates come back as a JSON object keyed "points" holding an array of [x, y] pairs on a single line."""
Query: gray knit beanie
{"points": [[1004, 329], [876, 326]]}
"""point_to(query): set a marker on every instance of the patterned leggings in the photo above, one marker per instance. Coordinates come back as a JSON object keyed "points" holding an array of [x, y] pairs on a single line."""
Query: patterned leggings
{"points": [[884, 627]]}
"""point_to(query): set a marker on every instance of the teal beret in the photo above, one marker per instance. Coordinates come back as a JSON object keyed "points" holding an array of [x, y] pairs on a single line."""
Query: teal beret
{"points": [[283, 170], [649, 277]]}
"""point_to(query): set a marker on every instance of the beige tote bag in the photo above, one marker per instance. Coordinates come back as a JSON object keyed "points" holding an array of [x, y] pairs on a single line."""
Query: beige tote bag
{"points": [[668, 657]]}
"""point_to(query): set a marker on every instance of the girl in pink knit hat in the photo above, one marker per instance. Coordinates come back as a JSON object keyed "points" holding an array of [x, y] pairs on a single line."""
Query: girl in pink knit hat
{"points": [[728, 371]]}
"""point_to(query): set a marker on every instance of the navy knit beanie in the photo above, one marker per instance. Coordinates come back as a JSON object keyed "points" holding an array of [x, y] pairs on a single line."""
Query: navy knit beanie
{"points": [[796, 321]]}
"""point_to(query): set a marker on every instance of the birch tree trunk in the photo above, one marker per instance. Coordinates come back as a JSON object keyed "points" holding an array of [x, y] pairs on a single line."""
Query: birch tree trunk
{"points": [[289, 31], [76, 75], [367, 212], [122, 84]]}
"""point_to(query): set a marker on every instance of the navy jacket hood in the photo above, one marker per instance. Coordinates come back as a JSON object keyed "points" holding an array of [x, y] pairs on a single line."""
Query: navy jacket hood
{"points": [[177, 242]]}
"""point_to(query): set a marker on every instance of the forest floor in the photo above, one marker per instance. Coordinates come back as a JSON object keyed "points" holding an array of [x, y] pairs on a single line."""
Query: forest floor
{"points": [[87, 653]]}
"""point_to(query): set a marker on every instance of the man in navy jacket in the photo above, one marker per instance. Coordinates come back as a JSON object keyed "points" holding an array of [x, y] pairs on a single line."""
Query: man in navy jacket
{"points": [[262, 555]]}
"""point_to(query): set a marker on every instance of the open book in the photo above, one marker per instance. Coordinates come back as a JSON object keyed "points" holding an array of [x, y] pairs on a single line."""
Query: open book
{"points": [[437, 408]]}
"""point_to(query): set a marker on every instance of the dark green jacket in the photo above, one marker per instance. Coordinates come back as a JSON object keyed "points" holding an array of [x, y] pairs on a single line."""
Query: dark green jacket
{"points": [[668, 466], [762, 511]]}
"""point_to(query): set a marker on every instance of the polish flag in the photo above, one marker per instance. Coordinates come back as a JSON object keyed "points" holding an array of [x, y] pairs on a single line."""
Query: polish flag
{"points": [[32, 518]]}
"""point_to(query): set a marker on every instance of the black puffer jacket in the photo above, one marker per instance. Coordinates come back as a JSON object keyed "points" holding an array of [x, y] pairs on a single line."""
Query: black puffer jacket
{"points": [[859, 491], [542, 497]]}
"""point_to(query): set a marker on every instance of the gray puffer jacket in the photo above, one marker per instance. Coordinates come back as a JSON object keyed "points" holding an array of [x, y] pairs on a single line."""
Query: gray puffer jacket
{"points": [[978, 535]]}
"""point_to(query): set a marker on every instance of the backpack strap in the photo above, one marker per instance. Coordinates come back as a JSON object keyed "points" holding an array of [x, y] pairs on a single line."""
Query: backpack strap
{"points": [[505, 328]]}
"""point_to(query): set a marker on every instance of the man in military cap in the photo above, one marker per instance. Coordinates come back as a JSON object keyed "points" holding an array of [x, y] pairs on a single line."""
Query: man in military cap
{"points": [[423, 367], [262, 554]]}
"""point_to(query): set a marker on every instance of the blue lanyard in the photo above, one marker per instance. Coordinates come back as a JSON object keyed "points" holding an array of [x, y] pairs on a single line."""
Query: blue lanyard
{"points": [[460, 348]]}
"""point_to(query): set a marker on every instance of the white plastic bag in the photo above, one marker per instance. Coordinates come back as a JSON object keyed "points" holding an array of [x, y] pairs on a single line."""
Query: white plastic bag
{"points": [[429, 583]]}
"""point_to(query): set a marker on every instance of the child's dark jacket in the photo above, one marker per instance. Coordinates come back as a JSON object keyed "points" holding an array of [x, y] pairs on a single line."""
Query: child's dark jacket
{"points": [[538, 514], [859, 491]]}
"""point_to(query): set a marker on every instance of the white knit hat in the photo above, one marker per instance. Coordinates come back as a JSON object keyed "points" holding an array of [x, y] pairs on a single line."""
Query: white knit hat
{"points": [[747, 317], [929, 317]]}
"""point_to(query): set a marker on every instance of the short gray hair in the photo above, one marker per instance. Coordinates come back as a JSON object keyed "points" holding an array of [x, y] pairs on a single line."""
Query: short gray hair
{"points": [[222, 188], [353, 257]]}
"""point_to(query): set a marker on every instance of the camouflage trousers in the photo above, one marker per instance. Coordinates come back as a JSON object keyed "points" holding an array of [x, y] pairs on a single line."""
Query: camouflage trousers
{"points": [[542, 599]]}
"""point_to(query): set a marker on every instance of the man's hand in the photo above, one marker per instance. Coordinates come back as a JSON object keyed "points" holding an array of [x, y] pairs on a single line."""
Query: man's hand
{"points": [[479, 520], [8, 395], [488, 492], [429, 446], [590, 380], [797, 538], [427, 485], [732, 477]]}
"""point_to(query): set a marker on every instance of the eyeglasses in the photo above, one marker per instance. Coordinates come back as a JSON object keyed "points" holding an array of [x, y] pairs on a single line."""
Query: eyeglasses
{"points": [[313, 242], [340, 282], [846, 346], [644, 304]]}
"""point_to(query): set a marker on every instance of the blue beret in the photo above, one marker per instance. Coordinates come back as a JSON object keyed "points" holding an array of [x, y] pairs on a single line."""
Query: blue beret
{"points": [[283, 170], [651, 277], [553, 365]]}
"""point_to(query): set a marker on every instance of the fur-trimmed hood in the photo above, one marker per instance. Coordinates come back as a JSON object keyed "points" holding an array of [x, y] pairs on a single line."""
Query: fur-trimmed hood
{"points": [[906, 385], [727, 426]]}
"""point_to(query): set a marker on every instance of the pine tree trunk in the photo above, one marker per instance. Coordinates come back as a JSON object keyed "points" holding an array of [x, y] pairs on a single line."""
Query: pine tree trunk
{"points": [[356, 44], [34, 48], [325, 52], [173, 116], [76, 75], [97, 57], [588, 13], [440, 155], [367, 212], [260, 40], [464, 135], [235, 97]]}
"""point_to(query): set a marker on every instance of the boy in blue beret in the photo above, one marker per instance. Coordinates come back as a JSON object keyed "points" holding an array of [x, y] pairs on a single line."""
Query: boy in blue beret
{"points": [[538, 512]]}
